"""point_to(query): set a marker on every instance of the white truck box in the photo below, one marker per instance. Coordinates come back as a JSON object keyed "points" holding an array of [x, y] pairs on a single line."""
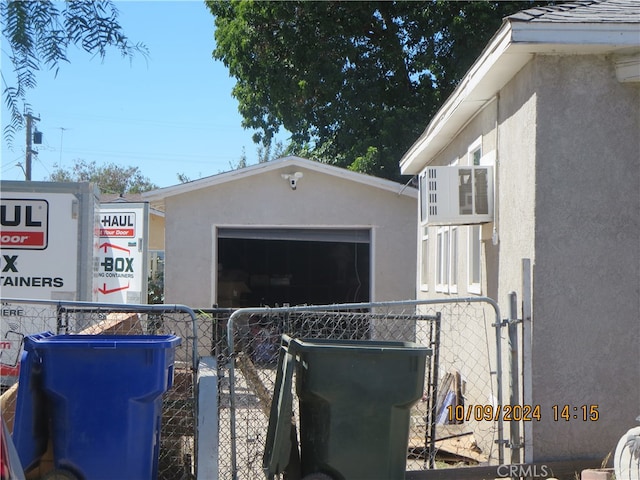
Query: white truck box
{"points": [[48, 238]]}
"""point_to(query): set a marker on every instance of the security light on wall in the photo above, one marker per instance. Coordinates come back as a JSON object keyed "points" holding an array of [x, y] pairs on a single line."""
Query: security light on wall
{"points": [[292, 178]]}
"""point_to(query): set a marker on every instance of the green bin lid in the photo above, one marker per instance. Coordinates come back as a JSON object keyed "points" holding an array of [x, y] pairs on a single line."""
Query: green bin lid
{"points": [[278, 445]]}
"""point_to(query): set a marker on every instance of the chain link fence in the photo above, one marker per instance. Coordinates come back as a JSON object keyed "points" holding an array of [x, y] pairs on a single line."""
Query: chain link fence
{"points": [[450, 425], [178, 430], [453, 425]]}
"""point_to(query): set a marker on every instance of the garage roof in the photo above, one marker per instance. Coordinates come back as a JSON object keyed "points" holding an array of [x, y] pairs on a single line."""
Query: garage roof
{"points": [[157, 197]]}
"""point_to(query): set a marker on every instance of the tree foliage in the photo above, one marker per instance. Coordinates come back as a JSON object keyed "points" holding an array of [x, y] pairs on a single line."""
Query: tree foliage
{"points": [[354, 82], [37, 35], [109, 178]]}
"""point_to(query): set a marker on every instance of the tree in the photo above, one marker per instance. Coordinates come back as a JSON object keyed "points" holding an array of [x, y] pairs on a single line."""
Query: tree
{"points": [[267, 152], [38, 34], [354, 82], [109, 178]]}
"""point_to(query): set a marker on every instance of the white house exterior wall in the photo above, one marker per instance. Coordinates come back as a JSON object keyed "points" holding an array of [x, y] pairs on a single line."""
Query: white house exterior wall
{"points": [[568, 179], [482, 126], [515, 224], [266, 200], [586, 318]]}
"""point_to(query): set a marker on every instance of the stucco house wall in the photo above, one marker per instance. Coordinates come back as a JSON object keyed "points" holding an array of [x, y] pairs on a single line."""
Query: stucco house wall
{"points": [[482, 128], [325, 197], [587, 251], [515, 206], [156, 230], [567, 162]]}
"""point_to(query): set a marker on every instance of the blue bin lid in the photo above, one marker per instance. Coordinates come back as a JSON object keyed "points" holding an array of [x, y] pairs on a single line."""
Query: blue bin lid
{"points": [[47, 340]]}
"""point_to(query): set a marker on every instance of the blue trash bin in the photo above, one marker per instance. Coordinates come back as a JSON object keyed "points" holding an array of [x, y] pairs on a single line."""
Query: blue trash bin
{"points": [[103, 397]]}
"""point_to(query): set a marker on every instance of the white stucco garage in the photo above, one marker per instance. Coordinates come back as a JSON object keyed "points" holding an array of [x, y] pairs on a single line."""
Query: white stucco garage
{"points": [[290, 231]]}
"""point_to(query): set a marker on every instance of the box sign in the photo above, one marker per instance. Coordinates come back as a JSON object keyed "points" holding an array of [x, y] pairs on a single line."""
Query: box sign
{"points": [[25, 223], [121, 269]]}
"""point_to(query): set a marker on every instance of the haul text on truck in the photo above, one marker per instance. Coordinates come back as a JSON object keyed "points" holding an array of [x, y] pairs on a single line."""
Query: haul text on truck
{"points": [[25, 226]]}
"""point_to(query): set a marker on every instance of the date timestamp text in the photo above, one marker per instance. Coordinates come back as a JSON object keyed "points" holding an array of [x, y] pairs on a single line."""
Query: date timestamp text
{"points": [[520, 413]]}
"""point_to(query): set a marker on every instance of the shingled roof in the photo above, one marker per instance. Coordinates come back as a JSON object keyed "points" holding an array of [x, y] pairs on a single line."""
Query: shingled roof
{"points": [[606, 11]]}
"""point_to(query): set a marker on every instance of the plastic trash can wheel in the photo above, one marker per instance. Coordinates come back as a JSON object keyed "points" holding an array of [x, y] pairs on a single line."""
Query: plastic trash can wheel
{"points": [[317, 476]]}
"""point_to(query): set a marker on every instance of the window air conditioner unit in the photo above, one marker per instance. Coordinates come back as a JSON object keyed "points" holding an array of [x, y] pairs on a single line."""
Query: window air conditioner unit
{"points": [[459, 195]]}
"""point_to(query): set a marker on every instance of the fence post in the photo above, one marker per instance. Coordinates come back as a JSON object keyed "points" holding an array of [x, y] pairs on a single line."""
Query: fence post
{"points": [[232, 393], [514, 384], [527, 383], [433, 395], [498, 372]]}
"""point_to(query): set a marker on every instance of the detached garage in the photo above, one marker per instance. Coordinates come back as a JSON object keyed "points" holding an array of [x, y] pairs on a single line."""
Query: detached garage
{"points": [[291, 231]]}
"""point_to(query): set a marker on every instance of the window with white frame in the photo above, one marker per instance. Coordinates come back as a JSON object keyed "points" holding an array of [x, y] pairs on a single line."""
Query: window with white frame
{"points": [[474, 262], [424, 258], [474, 152], [442, 259], [447, 259], [453, 262]]}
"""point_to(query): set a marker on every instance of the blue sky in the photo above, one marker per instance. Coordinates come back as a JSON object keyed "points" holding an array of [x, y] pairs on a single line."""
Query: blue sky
{"points": [[172, 113]]}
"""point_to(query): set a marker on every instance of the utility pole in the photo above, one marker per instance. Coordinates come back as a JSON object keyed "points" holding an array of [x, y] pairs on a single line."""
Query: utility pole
{"points": [[30, 118]]}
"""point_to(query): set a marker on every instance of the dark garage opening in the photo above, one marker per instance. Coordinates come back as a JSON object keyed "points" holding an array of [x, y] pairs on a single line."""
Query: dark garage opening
{"points": [[275, 267]]}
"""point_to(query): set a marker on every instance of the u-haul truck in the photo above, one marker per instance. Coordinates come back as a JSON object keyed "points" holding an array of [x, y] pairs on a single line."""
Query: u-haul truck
{"points": [[48, 236]]}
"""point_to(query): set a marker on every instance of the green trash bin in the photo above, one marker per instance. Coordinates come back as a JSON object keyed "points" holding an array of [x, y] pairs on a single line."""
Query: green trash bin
{"points": [[355, 399]]}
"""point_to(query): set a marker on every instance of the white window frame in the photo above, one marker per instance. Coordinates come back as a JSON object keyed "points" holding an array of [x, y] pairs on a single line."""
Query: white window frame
{"points": [[446, 264], [446, 261], [424, 258], [474, 243], [423, 234], [442, 260], [476, 146], [453, 259], [474, 259]]}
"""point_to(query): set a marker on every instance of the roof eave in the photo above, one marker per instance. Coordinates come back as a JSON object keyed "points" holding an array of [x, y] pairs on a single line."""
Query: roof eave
{"points": [[511, 48], [157, 197], [440, 130]]}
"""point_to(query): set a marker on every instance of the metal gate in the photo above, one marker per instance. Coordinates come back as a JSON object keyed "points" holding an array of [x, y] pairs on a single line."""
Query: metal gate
{"points": [[458, 422]]}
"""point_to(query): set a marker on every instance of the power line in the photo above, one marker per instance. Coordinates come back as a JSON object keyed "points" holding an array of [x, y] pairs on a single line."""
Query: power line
{"points": [[12, 163], [62, 129]]}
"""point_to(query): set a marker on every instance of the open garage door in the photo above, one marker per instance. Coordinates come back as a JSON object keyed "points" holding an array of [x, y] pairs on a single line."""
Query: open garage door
{"points": [[292, 266]]}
